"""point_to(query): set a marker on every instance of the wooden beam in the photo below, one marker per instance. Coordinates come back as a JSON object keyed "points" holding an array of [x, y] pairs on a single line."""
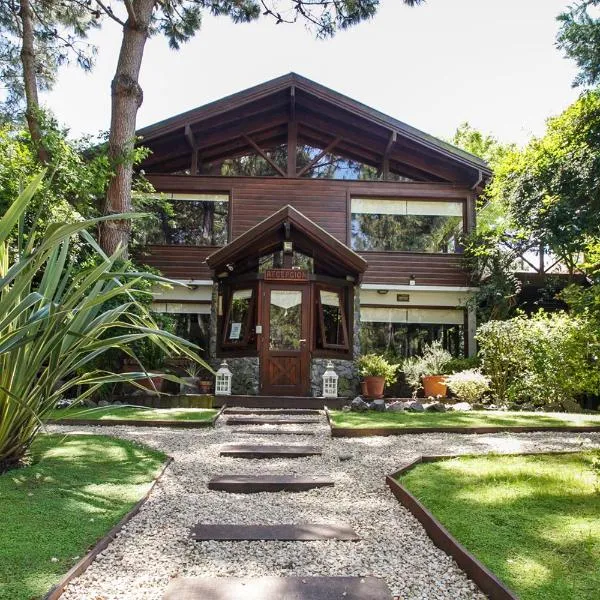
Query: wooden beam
{"points": [[292, 145], [190, 138], [319, 156], [264, 155], [385, 166]]}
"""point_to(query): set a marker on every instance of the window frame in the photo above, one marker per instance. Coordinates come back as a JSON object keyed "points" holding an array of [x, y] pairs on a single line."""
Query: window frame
{"points": [[245, 341], [341, 291]]}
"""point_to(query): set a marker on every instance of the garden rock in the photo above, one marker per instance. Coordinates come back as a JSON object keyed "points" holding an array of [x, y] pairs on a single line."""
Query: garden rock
{"points": [[463, 406], [378, 405], [437, 407], [359, 405], [416, 406], [346, 408], [64, 403], [396, 407], [117, 403], [103, 403], [571, 406], [478, 406], [90, 403]]}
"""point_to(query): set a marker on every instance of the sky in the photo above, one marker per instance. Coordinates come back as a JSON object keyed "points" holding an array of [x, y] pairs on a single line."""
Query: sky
{"points": [[489, 62]]}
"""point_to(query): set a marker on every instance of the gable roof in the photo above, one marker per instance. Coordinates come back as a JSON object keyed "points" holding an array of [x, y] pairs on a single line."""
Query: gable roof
{"points": [[329, 254], [292, 96]]}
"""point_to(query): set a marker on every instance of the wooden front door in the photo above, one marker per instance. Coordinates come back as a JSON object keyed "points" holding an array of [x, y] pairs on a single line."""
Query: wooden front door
{"points": [[285, 347]]}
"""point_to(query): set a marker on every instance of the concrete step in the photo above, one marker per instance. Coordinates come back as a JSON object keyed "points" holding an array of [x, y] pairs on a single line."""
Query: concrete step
{"points": [[271, 411], [278, 588], [274, 431], [284, 532], [250, 484], [271, 421], [269, 451]]}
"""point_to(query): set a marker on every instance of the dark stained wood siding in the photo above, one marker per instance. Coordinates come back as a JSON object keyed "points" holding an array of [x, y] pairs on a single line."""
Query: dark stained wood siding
{"points": [[327, 203]]}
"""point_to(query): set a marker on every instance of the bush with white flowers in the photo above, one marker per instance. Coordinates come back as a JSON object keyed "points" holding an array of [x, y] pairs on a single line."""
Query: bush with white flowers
{"points": [[469, 385]]}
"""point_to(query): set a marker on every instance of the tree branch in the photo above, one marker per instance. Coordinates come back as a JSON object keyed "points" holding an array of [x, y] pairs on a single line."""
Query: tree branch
{"points": [[107, 10]]}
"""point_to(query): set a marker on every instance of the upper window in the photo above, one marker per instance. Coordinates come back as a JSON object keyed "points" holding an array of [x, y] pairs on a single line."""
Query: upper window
{"points": [[187, 220], [406, 225]]}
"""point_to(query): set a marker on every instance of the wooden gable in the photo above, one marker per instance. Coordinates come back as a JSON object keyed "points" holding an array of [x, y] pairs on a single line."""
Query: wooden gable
{"points": [[294, 110]]}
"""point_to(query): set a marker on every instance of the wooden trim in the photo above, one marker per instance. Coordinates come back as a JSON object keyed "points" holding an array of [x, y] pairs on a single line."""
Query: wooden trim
{"points": [[245, 342], [264, 155], [321, 323], [57, 591], [319, 156], [415, 306]]}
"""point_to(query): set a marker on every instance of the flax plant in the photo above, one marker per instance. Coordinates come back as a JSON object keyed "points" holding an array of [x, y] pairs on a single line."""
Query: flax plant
{"points": [[56, 323]]}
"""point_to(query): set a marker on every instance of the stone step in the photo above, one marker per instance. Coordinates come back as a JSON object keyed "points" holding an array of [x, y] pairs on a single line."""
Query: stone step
{"points": [[250, 484], [284, 532], [271, 411], [269, 451], [277, 588], [274, 431], [271, 421]]}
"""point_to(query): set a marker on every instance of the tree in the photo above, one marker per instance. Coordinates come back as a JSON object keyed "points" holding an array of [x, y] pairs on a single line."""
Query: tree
{"points": [[579, 38], [36, 38], [178, 21]]}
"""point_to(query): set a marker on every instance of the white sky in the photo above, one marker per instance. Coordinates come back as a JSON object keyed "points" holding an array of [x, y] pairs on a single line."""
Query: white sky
{"points": [[492, 63]]}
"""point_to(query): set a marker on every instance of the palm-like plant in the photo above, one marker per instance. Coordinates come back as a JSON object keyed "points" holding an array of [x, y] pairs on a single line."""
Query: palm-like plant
{"points": [[55, 324]]}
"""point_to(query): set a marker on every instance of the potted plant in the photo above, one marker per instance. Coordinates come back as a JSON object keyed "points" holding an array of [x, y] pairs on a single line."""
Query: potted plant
{"points": [[190, 384], [428, 370], [376, 372]]}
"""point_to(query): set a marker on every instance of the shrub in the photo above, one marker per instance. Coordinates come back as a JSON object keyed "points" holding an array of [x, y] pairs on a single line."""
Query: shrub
{"points": [[468, 385], [374, 365], [463, 364], [543, 359]]}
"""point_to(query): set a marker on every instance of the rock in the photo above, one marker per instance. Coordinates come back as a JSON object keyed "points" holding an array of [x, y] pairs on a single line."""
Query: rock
{"points": [[437, 407], [359, 405], [415, 406], [571, 406], [90, 403], [378, 405], [528, 406], [346, 408], [103, 403], [396, 407], [117, 403], [64, 403], [462, 406], [478, 406], [346, 457]]}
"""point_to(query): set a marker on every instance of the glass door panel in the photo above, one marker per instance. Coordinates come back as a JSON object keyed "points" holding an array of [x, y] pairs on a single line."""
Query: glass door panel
{"points": [[285, 320]]}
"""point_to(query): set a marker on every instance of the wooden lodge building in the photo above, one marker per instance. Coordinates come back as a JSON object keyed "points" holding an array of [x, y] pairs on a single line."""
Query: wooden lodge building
{"points": [[308, 227]]}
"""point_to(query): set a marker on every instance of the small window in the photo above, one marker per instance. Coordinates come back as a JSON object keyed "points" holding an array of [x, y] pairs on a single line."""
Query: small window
{"points": [[238, 326], [333, 328]]}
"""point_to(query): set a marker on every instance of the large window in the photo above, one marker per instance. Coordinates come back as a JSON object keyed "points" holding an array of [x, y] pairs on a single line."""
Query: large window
{"points": [[406, 225], [187, 220], [401, 332]]}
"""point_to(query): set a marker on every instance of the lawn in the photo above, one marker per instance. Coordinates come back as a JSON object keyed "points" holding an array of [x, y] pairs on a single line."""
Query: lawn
{"points": [[405, 420], [129, 413], [533, 520], [76, 489]]}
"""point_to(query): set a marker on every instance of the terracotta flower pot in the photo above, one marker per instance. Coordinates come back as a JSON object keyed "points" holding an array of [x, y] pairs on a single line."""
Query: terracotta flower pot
{"points": [[148, 381], [434, 385], [205, 386], [374, 387]]}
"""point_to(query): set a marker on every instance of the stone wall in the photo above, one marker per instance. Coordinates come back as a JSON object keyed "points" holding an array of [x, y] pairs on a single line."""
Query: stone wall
{"points": [[245, 372], [348, 378]]}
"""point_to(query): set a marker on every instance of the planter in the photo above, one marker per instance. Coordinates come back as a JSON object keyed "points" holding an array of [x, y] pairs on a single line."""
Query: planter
{"points": [[151, 383], [189, 385], [434, 385], [205, 386], [373, 387], [363, 389]]}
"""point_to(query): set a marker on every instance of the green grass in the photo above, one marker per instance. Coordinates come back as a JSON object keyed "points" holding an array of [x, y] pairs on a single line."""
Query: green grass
{"points": [[406, 420], [533, 520], [125, 413], [52, 512]]}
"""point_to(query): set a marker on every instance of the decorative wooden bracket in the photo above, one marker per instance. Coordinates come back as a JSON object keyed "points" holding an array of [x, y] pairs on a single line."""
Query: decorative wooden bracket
{"points": [[264, 155], [385, 166], [193, 144], [319, 156]]}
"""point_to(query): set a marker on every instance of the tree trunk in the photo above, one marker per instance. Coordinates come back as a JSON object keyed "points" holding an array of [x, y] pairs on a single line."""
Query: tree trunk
{"points": [[126, 98], [29, 80]]}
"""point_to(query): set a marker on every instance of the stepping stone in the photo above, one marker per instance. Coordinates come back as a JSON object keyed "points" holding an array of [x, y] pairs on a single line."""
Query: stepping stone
{"points": [[250, 484], [274, 432], [284, 533], [272, 411], [277, 588], [268, 451], [270, 421]]}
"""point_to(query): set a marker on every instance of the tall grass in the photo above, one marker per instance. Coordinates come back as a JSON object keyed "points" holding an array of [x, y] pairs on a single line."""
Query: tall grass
{"points": [[55, 324]]}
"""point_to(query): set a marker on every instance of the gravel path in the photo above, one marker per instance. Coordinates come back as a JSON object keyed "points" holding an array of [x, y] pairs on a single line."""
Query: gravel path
{"points": [[155, 545]]}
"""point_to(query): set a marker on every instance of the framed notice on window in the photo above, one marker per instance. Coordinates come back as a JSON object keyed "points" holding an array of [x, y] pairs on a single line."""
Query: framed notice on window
{"points": [[236, 330]]}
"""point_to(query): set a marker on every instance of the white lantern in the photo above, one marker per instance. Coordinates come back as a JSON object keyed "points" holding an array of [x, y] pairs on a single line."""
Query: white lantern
{"points": [[330, 382], [223, 380]]}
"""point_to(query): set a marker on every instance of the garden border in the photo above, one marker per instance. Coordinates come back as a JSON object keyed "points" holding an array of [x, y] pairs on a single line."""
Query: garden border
{"points": [[81, 566], [485, 579], [138, 422], [348, 432]]}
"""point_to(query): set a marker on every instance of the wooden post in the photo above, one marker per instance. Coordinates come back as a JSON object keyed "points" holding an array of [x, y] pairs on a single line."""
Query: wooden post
{"points": [[292, 136], [385, 166]]}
